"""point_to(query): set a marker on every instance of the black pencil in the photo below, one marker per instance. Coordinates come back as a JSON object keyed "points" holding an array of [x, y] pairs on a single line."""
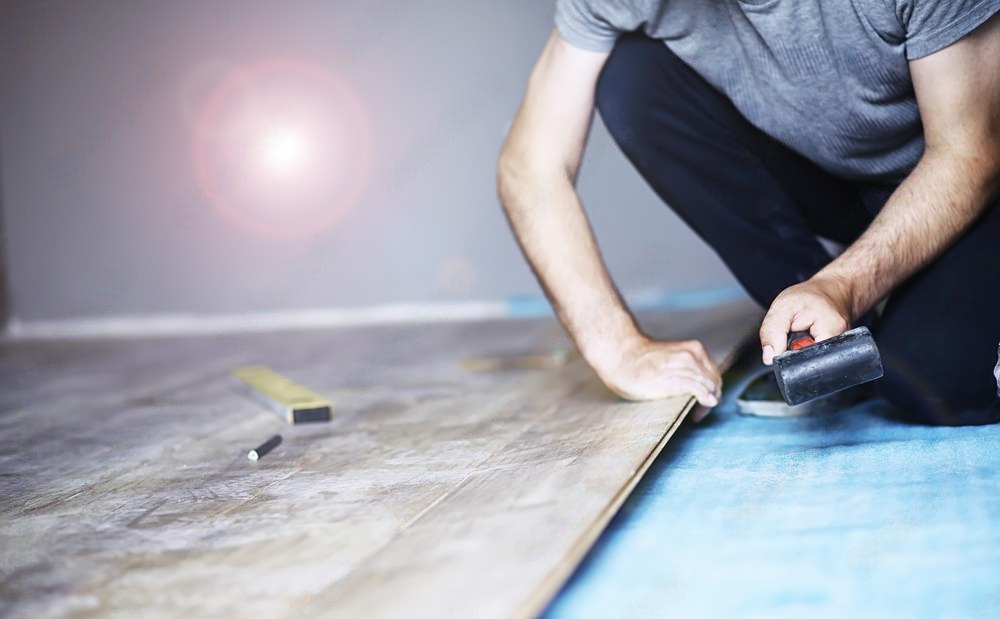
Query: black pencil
{"points": [[261, 450]]}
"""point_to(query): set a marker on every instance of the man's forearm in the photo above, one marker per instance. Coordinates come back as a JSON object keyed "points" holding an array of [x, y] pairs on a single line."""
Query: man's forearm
{"points": [[536, 174], [555, 236], [936, 204]]}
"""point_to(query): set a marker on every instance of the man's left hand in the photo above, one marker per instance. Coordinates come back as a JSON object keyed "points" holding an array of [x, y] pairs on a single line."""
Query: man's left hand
{"points": [[821, 306]]}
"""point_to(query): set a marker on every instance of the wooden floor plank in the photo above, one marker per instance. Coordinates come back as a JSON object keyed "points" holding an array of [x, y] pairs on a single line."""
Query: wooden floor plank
{"points": [[435, 491]]}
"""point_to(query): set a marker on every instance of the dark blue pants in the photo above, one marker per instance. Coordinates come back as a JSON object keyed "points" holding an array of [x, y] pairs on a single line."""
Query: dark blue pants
{"points": [[761, 206]]}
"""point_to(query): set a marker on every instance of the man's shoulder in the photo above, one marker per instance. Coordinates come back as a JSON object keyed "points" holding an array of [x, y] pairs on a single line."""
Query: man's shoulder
{"points": [[932, 25], [596, 24]]}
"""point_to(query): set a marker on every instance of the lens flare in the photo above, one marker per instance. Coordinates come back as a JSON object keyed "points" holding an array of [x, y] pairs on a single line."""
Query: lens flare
{"points": [[283, 149]]}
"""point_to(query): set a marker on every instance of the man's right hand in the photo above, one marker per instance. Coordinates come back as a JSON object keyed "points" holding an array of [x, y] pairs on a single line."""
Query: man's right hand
{"points": [[650, 370]]}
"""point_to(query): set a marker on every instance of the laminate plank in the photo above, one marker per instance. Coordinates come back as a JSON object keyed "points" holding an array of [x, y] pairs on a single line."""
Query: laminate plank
{"points": [[435, 491], [529, 514]]}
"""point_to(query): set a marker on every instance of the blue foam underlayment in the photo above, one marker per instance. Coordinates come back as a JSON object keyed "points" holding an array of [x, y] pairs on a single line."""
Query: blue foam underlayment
{"points": [[848, 514], [534, 307]]}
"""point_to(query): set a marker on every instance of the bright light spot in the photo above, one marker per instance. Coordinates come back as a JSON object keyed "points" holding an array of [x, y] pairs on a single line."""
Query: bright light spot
{"points": [[283, 150]]}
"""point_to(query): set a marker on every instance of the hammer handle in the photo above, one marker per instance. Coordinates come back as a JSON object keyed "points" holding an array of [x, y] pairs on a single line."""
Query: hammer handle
{"points": [[800, 339]]}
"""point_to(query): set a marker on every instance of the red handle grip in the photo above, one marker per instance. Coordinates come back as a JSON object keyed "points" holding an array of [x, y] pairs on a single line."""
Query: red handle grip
{"points": [[800, 339]]}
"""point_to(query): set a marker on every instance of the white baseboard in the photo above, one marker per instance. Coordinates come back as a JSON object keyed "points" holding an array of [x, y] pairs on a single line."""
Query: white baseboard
{"points": [[169, 325], [163, 325]]}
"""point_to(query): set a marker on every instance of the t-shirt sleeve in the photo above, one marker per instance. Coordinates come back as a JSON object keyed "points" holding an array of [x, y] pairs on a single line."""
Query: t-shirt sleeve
{"points": [[580, 26], [932, 25]]}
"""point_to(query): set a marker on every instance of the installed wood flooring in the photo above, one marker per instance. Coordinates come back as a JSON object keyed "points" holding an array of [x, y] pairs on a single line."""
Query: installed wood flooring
{"points": [[436, 491]]}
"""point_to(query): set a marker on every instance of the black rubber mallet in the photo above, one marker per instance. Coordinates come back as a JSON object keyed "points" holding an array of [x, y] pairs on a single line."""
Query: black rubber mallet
{"points": [[811, 370]]}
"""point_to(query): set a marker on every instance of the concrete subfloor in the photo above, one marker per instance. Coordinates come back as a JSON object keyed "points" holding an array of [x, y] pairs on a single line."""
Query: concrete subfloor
{"points": [[847, 514]]}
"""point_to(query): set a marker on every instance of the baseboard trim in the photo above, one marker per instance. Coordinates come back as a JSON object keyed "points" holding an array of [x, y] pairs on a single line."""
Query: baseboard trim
{"points": [[171, 325]]}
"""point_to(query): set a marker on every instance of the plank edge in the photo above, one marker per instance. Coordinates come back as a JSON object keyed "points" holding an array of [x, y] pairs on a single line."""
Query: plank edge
{"points": [[555, 580]]}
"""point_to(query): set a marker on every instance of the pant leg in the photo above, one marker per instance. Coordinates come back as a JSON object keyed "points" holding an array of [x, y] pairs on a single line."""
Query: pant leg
{"points": [[939, 333], [758, 204]]}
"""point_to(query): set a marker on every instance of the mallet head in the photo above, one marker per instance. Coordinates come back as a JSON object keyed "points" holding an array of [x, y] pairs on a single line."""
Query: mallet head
{"points": [[829, 366]]}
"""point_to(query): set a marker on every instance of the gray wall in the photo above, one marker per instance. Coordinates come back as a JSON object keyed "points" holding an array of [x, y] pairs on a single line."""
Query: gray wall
{"points": [[105, 216], [4, 288]]}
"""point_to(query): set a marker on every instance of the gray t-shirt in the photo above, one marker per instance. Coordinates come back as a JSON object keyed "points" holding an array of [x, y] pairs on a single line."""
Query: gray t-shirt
{"points": [[828, 78]]}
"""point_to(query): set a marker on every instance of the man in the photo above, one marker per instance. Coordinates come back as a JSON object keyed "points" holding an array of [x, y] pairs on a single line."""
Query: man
{"points": [[766, 124]]}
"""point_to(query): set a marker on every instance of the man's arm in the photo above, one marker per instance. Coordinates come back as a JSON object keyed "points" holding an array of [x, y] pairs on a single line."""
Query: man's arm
{"points": [[536, 177], [958, 93]]}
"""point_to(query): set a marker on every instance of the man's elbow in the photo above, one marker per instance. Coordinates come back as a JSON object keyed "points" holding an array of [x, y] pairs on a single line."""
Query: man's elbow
{"points": [[530, 175], [976, 164], [506, 175], [983, 167], [515, 172]]}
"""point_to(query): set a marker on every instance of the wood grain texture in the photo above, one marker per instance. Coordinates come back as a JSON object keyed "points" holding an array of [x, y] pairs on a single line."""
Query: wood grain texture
{"points": [[435, 491]]}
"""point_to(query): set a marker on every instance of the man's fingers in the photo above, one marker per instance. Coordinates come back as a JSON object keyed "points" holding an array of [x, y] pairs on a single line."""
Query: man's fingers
{"points": [[703, 392], [773, 336], [703, 386], [703, 361], [708, 400], [677, 383], [828, 326], [809, 306], [708, 365], [680, 381], [710, 373], [776, 326]]}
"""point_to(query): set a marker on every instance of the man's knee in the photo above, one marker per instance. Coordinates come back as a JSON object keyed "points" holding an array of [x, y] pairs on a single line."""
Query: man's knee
{"points": [[996, 371], [938, 392]]}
